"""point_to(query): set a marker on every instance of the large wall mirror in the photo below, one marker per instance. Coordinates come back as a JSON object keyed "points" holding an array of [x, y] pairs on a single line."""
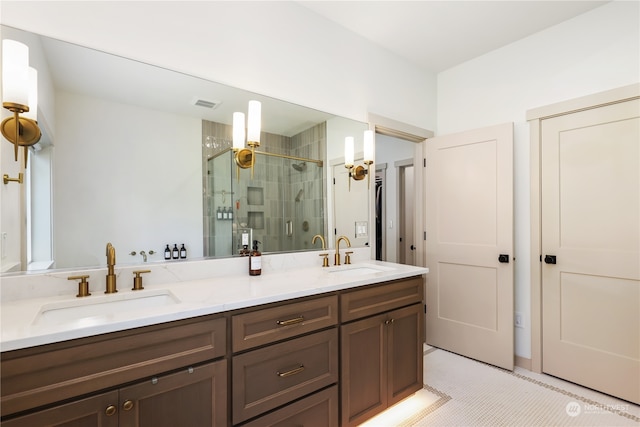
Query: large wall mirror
{"points": [[139, 156]]}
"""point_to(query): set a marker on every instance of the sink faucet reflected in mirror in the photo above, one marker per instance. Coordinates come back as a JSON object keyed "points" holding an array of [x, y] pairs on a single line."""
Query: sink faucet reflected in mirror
{"points": [[111, 263]]}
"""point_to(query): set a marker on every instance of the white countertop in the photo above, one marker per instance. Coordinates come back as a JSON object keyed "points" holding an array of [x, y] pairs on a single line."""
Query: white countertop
{"points": [[24, 324]]}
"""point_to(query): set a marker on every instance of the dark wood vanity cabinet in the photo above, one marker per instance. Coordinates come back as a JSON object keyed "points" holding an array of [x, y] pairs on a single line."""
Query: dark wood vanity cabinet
{"points": [[155, 376], [193, 397], [285, 353], [381, 348], [331, 360]]}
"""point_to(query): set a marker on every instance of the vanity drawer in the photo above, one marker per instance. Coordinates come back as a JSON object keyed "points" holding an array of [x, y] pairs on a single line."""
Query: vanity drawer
{"points": [[318, 410], [378, 299], [269, 325], [272, 376], [42, 375]]}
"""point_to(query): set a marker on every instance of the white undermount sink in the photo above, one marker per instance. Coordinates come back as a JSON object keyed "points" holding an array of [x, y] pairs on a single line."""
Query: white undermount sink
{"points": [[359, 270], [100, 307]]}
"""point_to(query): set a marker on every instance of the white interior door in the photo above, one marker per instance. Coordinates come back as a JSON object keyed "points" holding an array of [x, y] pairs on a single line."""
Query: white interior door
{"points": [[591, 248], [469, 248]]}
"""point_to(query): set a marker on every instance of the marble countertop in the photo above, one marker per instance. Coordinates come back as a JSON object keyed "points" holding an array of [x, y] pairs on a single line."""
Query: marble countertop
{"points": [[38, 320]]}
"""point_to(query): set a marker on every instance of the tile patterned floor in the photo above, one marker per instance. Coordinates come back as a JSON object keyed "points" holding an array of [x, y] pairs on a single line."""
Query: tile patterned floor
{"points": [[462, 392]]}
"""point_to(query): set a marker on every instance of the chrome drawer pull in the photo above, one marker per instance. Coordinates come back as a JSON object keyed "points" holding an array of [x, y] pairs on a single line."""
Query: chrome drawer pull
{"points": [[291, 372], [293, 321]]}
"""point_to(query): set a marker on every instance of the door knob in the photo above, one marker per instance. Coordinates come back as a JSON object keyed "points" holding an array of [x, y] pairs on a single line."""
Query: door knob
{"points": [[413, 248], [503, 258], [550, 259]]}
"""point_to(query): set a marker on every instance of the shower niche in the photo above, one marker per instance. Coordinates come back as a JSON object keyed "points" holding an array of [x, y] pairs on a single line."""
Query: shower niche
{"points": [[282, 206]]}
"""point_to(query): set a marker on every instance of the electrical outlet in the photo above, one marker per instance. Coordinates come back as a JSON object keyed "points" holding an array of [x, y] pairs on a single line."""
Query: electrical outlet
{"points": [[519, 320]]}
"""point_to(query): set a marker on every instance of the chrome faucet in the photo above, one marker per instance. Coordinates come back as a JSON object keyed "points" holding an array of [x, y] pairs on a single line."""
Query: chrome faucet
{"points": [[111, 263], [336, 259]]}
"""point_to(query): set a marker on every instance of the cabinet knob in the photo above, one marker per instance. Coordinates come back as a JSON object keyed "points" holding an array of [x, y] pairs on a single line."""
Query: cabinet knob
{"points": [[111, 410], [127, 405]]}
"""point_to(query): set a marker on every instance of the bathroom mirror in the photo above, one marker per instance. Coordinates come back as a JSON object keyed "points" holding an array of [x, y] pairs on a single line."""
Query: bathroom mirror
{"points": [[127, 155]]}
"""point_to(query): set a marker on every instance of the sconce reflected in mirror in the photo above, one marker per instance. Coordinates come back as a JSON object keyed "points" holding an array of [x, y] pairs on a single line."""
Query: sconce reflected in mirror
{"points": [[245, 157], [359, 172], [20, 96]]}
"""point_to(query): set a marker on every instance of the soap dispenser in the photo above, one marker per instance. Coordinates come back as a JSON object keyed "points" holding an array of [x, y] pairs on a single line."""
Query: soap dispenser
{"points": [[167, 253], [255, 260]]}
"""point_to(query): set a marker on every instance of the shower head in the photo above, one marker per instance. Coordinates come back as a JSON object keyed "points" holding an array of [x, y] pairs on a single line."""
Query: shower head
{"points": [[299, 196], [300, 167]]}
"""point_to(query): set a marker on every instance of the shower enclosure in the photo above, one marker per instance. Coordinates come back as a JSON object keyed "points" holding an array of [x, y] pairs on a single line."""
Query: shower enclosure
{"points": [[282, 206]]}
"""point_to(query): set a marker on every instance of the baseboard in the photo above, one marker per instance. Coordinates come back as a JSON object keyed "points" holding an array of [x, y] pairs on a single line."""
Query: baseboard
{"points": [[523, 362]]}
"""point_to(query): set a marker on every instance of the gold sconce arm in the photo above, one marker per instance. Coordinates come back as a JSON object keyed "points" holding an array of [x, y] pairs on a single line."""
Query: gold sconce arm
{"points": [[19, 179], [20, 131]]}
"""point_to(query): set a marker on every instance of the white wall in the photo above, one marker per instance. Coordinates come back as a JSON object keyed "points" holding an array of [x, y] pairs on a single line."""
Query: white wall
{"points": [[147, 204], [276, 48], [593, 52]]}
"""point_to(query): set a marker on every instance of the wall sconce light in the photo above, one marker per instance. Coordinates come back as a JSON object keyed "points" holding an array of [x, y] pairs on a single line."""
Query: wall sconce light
{"points": [[245, 157], [20, 87], [358, 172]]}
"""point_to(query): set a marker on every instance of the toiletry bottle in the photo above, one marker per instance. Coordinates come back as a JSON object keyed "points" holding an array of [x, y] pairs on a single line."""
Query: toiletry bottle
{"points": [[245, 250], [219, 213], [225, 214], [255, 260], [176, 252], [183, 252], [230, 214], [167, 253]]}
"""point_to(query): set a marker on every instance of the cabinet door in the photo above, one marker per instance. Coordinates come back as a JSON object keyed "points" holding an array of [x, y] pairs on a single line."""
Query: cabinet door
{"points": [[364, 377], [404, 350], [96, 411], [194, 397]]}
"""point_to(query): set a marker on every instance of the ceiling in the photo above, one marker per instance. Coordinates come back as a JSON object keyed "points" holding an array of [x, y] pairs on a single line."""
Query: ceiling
{"points": [[437, 35]]}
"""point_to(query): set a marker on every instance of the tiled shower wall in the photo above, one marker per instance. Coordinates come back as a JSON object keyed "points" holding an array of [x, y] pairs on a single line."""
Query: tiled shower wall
{"points": [[266, 203]]}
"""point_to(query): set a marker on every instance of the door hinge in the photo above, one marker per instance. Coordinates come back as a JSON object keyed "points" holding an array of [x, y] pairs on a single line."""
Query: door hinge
{"points": [[425, 309], [424, 162], [334, 181], [424, 237]]}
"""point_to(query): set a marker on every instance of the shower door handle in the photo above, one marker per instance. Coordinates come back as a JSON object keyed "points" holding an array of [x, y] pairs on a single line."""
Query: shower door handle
{"points": [[288, 228]]}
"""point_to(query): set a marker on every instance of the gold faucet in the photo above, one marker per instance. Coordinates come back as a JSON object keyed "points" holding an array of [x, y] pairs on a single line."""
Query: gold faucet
{"points": [[317, 236], [336, 259], [111, 263], [325, 259]]}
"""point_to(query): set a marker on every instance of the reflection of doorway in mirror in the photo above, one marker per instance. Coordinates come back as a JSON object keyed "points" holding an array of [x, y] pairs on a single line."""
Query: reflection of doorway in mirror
{"points": [[397, 153], [406, 220], [380, 204]]}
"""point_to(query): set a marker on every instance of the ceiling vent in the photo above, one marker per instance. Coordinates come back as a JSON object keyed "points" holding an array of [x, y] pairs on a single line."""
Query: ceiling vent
{"points": [[206, 104]]}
